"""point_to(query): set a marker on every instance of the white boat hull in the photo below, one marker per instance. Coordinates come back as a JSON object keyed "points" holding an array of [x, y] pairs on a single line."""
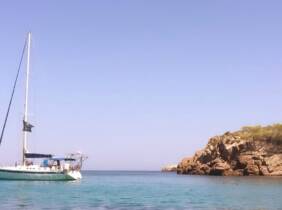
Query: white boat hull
{"points": [[36, 175]]}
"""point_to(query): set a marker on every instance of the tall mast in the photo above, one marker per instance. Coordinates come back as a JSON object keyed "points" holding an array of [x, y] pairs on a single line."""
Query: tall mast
{"points": [[26, 96]]}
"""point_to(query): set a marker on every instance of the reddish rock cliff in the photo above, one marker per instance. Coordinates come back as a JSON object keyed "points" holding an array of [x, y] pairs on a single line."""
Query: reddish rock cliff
{"points": [[250, 151]]}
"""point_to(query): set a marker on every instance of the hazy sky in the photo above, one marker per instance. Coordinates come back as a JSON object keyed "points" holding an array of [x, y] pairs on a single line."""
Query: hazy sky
{"points": [[139, 84]]}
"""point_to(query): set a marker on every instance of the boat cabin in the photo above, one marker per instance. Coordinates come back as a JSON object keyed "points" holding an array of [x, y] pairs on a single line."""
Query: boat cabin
{"points": [[69, 163]]}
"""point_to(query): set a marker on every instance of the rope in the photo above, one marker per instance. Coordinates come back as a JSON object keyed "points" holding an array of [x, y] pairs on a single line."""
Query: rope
{"points": [[12, 96]]}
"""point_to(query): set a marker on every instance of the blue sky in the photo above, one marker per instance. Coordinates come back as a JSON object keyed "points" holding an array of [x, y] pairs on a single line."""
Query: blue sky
{"points": [[139, 84]]}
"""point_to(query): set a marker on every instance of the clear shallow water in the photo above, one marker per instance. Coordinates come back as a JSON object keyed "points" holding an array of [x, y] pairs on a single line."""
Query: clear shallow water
{"points": [[144, 190]]}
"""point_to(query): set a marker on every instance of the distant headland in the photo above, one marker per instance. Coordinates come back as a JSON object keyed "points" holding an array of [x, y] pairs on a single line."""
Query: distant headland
{"points": [[255, 150]]}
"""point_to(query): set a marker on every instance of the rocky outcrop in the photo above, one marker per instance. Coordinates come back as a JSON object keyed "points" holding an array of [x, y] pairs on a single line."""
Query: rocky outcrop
{"points": [[241, 153], [170, 168]]}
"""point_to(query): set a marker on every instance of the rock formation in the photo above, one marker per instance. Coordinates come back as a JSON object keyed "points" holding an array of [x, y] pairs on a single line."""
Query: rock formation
{"points": [[170, 168], [250, 151]]}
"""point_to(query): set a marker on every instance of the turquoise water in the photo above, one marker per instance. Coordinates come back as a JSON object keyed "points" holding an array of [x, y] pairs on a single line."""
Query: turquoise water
{"points": [[144, 190]]}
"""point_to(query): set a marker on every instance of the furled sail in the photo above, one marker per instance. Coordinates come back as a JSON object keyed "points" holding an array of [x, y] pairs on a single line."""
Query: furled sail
{"points": [[37, 155]]}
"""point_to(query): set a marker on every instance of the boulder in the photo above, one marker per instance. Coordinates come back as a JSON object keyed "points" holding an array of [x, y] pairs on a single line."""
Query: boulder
{"points": [[264, 171], [220, 167], [251, 169]]}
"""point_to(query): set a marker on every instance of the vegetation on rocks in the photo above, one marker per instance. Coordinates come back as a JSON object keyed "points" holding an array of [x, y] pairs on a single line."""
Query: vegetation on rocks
{"points": [[271, 133]]}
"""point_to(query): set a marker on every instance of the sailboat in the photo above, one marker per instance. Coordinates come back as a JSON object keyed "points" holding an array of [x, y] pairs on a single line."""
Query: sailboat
{"points": [[47, 167]]}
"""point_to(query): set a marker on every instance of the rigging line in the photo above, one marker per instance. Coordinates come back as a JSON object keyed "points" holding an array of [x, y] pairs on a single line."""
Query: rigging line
{"points": [[11, 99]]}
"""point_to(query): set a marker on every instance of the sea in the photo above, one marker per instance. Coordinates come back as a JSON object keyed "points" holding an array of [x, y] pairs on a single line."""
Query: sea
{"points": [[134, 190]]}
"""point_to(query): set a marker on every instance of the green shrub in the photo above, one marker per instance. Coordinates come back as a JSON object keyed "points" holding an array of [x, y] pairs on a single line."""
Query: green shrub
{"points": [[271, 133]]}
